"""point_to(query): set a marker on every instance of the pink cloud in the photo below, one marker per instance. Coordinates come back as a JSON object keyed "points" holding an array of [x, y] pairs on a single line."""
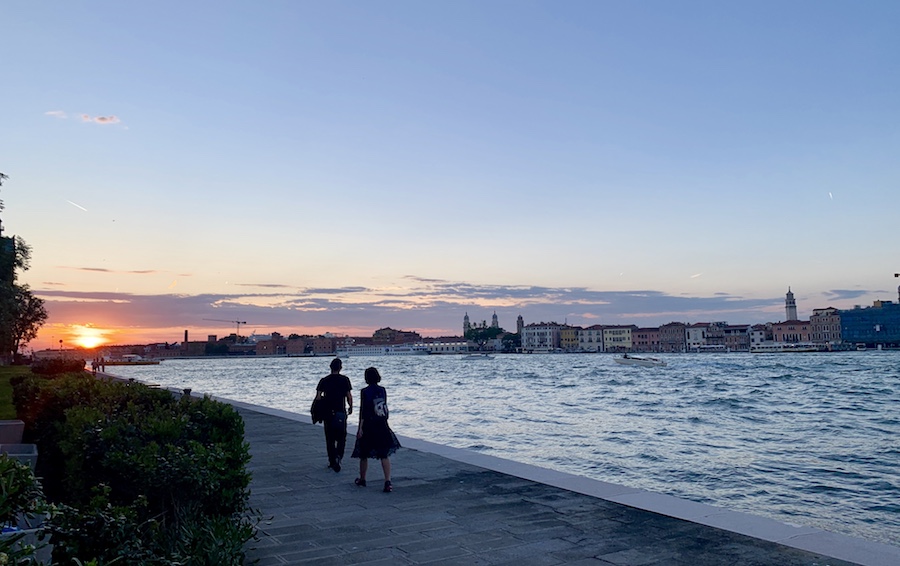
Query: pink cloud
{"points": [[100, 119]]}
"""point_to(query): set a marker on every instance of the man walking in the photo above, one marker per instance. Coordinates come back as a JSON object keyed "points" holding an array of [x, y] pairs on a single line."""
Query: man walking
{"points": [[335, 389]]}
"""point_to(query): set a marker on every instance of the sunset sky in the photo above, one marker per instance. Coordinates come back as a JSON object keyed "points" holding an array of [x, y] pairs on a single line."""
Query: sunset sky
{"points": [[333, 166]]}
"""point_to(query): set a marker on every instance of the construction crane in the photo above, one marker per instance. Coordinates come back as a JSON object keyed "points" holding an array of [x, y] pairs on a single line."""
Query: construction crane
{"points": [[238, 324]]}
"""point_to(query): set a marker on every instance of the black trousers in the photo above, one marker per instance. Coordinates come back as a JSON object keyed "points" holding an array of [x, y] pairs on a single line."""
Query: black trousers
{"points": [[336, 436]]}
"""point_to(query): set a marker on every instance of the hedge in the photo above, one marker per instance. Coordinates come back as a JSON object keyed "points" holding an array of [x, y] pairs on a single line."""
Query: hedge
{"points": [[137, 476]]}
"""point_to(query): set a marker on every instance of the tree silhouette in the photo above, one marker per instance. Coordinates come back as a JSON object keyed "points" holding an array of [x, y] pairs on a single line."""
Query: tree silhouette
{"points": [[21, 313]]}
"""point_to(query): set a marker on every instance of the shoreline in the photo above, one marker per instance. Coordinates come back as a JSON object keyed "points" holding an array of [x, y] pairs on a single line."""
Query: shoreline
{"points": [[809, 539]]}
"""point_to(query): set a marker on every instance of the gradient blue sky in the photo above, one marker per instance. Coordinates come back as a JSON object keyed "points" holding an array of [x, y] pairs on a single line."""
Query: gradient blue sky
{"points": [[313, 166]]}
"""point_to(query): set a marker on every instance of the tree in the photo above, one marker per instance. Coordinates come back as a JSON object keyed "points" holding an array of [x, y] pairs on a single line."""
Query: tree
{"points": [[481, 335], [14, 254], [21, 316], [21, 313], [511, 342]]}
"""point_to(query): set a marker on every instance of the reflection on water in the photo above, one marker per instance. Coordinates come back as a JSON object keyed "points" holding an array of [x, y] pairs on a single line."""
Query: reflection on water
{"points": [[804, 438]]}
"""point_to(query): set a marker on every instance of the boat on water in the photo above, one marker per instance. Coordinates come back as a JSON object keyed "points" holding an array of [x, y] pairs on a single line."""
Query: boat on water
{"points": [[383, 350], [642, 361], [130, 360], [478, 357], [780, 347]]}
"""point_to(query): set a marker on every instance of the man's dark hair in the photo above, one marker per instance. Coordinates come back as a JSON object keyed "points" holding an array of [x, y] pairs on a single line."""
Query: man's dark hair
{"points": [[336, 364]]}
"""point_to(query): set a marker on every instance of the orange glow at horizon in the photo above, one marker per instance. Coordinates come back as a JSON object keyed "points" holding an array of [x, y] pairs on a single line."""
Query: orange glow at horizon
{"points": [[87, 336], [68, 336]]}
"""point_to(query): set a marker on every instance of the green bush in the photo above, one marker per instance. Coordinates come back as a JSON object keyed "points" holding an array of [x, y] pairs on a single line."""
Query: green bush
{"points": [[138, 475], [56, 366], [21, 500]]}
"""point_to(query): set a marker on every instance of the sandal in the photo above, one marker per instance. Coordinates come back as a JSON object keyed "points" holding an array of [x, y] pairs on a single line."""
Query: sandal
{"points": [[359, 482], [388, 487]]}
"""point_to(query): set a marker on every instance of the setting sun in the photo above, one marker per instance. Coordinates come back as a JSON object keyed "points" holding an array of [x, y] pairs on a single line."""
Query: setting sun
{"points": [[88, 336]]}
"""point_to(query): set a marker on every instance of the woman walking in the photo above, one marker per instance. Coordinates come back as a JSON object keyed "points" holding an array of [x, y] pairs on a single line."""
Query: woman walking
{"points": [[374, 439]]}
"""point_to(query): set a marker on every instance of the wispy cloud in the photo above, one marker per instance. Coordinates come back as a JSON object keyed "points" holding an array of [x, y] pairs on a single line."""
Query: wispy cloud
{"points": [[105, 270], [431, 307], [838, 294], [439, 306], [100, 119], [103, 120], [264, 285]]}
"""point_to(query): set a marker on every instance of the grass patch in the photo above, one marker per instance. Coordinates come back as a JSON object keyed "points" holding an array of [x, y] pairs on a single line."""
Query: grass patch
{"points": [[7, 409]]}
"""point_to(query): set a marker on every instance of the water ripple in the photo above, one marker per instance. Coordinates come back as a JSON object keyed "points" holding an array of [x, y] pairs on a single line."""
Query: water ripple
{"points": [[803, 438]]}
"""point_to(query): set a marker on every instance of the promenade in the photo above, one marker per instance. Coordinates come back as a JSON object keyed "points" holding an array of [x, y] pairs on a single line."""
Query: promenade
{"points": [[453, 506]]}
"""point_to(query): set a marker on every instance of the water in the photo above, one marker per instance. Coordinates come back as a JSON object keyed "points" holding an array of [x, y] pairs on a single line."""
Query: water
{"points": [[807, 439]]}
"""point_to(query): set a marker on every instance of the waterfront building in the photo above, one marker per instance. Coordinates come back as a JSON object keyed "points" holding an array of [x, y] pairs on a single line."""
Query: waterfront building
{"points": [[673, 337], [540, 337], [760, 333], [277, 347], [390, 336], [241, 349], [705, 336], [618, 338], [295, 346], [322, 345], [695, 334], [59, 354], [467, 326], [826, 326], [876, 326], [568, 338], [737, 338], [791, 331], [590, 339], [715, 334], [195, 348], [520, 324], [645, 339]]}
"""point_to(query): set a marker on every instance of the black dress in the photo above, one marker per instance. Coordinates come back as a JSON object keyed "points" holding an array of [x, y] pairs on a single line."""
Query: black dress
{"points": [[378, 440]]}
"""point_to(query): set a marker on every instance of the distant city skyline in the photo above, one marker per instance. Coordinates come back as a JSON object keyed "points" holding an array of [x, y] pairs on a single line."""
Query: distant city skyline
{"points": [[771, 314], [316, 167]]}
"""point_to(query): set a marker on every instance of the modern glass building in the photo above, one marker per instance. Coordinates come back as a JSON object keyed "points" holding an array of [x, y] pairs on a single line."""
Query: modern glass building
{"points": [[878, 325]]}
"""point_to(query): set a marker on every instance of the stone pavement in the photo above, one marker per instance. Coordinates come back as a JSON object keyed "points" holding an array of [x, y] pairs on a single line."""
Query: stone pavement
{"points": [[447, 511]]}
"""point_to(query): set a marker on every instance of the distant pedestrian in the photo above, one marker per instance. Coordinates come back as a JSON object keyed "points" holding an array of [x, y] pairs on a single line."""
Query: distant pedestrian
{"points": [[374, 439], [335, 390]]}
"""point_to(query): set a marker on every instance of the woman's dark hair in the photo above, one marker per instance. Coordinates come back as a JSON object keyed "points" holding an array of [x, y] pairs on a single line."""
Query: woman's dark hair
{"points": [[372, 376]]}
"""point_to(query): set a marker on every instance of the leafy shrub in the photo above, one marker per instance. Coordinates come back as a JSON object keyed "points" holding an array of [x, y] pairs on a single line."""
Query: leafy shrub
{"points": [[56, 366], [21, 499], [138, 473]]}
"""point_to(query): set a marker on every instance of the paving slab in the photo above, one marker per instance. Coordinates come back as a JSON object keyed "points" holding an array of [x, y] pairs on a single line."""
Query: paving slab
{"points": [[451, 506]]}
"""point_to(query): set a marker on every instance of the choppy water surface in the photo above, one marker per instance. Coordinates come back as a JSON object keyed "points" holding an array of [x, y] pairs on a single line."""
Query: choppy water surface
{"points": [[808, 439]]}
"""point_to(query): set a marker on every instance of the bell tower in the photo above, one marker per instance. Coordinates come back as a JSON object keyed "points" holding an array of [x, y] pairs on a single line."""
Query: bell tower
{"points": [[790, 306]]}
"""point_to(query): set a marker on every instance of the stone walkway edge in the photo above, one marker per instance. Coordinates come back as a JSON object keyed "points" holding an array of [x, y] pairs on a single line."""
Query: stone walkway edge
{"points": [[838, 546]]}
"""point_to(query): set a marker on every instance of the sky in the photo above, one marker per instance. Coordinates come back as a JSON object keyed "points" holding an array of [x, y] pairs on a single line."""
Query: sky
{"points": [[341, 167]]}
